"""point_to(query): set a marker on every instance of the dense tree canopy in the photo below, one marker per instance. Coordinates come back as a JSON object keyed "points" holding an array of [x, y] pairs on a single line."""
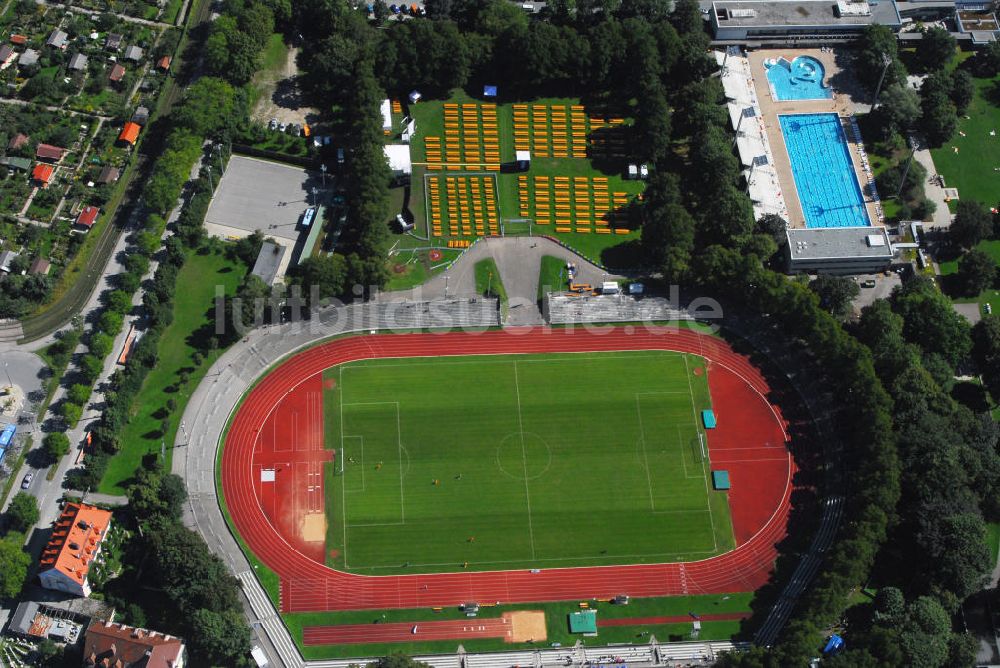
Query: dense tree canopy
{"points": [[22, 513]]}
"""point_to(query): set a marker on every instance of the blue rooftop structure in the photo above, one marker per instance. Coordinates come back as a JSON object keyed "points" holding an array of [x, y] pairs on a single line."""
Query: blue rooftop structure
{"points": [[708, 419], [720, 480], [489, 91]]}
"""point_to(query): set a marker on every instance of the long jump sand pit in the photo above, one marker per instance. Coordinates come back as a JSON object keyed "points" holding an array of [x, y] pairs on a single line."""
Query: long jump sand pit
{"points": [[526, 625], [313, 527]]}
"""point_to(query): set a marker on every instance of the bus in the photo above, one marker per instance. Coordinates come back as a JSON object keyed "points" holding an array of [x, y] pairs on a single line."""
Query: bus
{"points": [[307, 217]]}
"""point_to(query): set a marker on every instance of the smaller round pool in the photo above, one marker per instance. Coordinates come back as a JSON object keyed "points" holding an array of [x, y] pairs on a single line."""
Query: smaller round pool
{"points": [[800, 79]]}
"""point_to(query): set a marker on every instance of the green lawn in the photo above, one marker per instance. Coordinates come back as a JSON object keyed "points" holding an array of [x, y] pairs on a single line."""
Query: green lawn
{"points": [[551, 275], [513, 462], [973, 168], [430, 122], [410, 268], [993, 540], [275, 54], [555, 617], [193, 310], [488, 281]]}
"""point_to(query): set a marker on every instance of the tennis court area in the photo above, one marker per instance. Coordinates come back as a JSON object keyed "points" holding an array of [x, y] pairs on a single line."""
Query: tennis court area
{"points": [[519, 461]]}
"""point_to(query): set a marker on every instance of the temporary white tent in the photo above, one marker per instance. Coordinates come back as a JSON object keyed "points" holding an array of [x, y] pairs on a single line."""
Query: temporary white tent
{"points": [[398, 156], [386, 110]]}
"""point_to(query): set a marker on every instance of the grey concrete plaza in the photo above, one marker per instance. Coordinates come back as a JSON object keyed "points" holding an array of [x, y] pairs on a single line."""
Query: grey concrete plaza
{"points": [[260, 195]]}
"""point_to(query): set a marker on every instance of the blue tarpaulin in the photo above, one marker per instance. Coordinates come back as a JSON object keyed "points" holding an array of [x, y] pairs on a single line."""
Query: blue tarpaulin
{"points": [[834, 644], [708, 418], [489, 91], [7, 435]]}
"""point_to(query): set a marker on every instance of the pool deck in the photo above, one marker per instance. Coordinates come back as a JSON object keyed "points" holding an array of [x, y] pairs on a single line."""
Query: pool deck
{"points": [[770, 110]]}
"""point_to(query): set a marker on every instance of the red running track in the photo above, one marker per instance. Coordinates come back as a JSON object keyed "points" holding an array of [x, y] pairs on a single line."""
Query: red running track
{"points": [[750, 442], [455, 629]]}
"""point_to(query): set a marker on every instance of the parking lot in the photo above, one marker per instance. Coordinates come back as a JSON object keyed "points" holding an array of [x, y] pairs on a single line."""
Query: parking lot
{"points": [[261, 195]]}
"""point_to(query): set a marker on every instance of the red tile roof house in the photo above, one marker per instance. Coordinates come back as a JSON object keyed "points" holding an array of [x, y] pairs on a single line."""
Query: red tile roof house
{"points": [[49, 152], [42, 174], [73, 547], [117, 72], [118, 645], [88, 216], [163, 63], [20, 40]]}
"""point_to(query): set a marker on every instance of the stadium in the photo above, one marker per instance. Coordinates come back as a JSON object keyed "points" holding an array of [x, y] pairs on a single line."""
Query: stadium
{"points": [[427, 470]]}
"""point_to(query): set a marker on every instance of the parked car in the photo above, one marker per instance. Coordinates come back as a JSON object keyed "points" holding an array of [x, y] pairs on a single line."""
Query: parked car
{"points": [[282, 127], [394, 9], [272, 124], [28, 477]]}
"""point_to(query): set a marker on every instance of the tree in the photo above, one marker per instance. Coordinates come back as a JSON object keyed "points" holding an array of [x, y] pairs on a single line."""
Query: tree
{"points": [[835, 293], [938, 116], [963, 90], [986, 350], [936, 49], [972, 224], [876, 43], [325, 272], [889, 605], [22, 513], [925, 633], [930, 321], [976, 272], [14, 562], [71, 412], [223, 638], [78, 393], [209, 105], [773, 226], [56, 444], [899, 107]]}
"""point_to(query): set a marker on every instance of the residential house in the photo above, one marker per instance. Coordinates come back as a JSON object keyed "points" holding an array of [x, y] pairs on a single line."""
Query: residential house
{"points": [[13, 162], [6, 257], [28, 58], [108, 174], [121, 646], [88, 216], [19, 40], [130, 133], [42, 174], [17, 142], [39, 266], [163, 63], [78, 62], [7, 54], [133, 53], [58, 39], [49, 152], [73, 546], [141, 116], [117, 72], [113, 42]]}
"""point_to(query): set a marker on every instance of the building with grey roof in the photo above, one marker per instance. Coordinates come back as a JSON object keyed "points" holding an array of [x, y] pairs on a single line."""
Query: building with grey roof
{"points": [[28, 58], [57, 39], [268, 262], [78, 62], [838, 250], [133, 53], [796, 21]]}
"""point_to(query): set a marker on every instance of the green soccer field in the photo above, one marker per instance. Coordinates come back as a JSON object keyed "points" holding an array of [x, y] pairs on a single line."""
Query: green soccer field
{"points": [[519, 461]]}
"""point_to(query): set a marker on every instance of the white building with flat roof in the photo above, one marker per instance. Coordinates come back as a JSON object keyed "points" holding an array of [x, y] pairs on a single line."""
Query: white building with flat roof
{"points": [[784, 21], [839, 250]]}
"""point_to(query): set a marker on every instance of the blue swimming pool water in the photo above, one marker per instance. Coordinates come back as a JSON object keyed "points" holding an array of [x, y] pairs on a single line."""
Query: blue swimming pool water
{"points": [[824, 176], [801, 79]]}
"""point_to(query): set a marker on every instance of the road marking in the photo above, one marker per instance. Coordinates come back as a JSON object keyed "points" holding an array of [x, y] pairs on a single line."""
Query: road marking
{"points": [[524, 460]]}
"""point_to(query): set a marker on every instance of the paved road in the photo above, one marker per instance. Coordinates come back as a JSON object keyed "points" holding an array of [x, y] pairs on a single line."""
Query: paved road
{"points": [[518, 260]]}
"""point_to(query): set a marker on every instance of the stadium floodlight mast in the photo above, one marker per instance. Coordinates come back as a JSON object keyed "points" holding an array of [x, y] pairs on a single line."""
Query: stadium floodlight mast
{"points": [[886, 61]]}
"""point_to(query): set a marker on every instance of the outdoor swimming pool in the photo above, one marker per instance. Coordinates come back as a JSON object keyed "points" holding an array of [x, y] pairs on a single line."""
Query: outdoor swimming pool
{"points": [[824, 176], [801, 79]]}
